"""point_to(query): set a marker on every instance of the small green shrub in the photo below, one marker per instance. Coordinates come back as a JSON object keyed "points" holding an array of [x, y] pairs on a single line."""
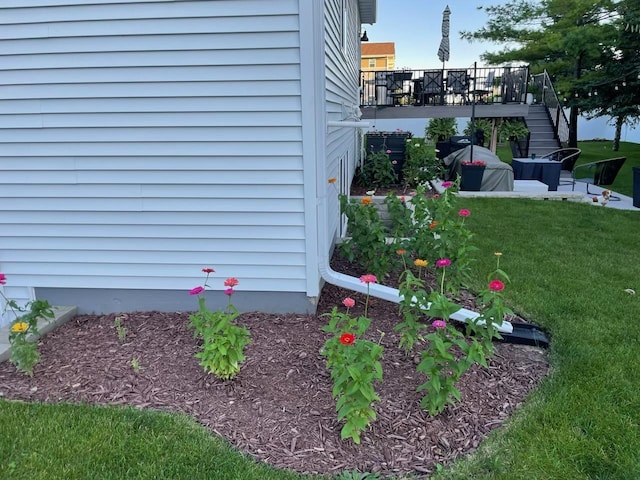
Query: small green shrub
{"points": [[440, 129], [376, 171], [421, 164]]}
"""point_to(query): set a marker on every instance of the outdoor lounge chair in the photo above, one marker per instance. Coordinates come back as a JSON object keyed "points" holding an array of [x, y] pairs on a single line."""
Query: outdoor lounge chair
{"points": [[568, 157], [601, 173]]}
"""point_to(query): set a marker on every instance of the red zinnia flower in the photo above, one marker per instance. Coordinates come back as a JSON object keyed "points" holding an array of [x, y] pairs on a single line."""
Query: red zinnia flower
{"points": [[496, 285], [231, 282], [208, 270], [347, 338]]}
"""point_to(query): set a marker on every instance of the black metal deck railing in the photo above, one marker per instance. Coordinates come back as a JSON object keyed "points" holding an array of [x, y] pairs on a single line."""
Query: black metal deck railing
{"points": [[450, 86]]}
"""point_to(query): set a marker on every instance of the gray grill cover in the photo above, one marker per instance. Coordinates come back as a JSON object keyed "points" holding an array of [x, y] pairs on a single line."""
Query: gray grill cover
{"points": [[498, 176]]}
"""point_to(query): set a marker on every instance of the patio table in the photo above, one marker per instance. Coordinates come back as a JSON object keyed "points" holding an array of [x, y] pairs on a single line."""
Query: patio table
{"points": [[541, 169]]}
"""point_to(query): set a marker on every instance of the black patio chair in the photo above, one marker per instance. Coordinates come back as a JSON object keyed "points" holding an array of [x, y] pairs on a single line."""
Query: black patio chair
{"points": [[432, 87], [568, 157], [396, 86], [602, 173], [458, 83]]}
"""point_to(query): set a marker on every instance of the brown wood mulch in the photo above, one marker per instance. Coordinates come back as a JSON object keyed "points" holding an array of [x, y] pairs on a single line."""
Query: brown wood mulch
{"points": [[279, 409]]}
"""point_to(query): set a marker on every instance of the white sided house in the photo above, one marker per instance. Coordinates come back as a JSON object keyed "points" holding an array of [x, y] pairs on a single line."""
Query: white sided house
{"points": [[141, 141]]}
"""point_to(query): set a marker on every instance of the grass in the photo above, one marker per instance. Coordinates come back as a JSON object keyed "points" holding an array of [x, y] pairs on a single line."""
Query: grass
{"points": [[594, 150], [84, 442], [569, 265]]}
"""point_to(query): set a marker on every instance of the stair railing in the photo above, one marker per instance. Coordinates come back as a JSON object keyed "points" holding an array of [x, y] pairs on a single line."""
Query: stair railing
{"points": [[547, 96]]}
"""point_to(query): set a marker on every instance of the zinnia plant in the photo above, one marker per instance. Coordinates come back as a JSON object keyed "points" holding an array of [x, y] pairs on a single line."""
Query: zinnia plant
{"points": [[223, 341], [24, 353], [355, 366]]}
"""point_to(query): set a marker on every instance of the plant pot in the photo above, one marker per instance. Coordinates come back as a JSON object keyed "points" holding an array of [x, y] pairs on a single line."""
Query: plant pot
{"points": [[471, 177]]}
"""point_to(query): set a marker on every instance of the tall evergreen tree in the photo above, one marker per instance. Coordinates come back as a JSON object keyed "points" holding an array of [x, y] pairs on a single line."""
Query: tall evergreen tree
{"points": [[564, 37], [613, 89]]}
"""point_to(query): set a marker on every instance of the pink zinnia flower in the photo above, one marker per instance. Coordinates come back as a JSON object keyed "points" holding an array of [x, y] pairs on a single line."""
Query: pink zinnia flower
{"points": [[196, 291], [229, 291], [388, 151], [208, 270], [348, 302], [347, 338], [402, 199], [231, 282], [443, 262], [368, 278], [446, 184], [438, 324], [3, 279], [464, 212], [496, 285]]}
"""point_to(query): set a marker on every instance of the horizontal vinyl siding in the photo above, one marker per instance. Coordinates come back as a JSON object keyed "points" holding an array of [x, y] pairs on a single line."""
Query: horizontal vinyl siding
{"points": [[342, 81], [141, 141]]}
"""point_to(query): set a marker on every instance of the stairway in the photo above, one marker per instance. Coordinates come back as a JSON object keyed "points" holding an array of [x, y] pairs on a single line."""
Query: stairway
{"points": [[543, 139]]}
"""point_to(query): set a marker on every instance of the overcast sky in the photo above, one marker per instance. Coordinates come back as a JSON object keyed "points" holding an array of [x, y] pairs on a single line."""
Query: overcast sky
{"points": [[415, 26]]}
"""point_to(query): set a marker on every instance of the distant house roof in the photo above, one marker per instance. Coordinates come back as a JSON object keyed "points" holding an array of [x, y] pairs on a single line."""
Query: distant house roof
{"points": [[371, 49], [368, 11]]}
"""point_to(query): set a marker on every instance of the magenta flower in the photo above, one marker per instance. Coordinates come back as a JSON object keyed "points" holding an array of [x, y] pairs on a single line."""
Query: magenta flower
{"points": [[464, 212], [3, 279], [196, 291], [368, 278], [496, 285], [388, 151], [438, 324], [443, 262], [348, 302], [229, 291], [446, 184]]}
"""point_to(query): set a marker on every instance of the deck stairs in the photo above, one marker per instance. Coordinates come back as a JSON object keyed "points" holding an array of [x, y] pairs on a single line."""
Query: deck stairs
{"points": [[543, 138]]}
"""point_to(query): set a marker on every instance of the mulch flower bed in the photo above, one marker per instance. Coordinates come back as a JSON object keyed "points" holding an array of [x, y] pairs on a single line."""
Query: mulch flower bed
{"points": [[279, 409]]}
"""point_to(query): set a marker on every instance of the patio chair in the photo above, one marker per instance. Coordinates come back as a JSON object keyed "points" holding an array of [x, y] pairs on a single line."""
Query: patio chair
{"points": [[432, 86], [601, 173], [568, 157], [458, 83], [396, 86]]}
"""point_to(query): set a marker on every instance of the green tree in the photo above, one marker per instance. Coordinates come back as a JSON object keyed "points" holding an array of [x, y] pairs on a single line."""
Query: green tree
{"points": [[613, 90], [565, 37]]}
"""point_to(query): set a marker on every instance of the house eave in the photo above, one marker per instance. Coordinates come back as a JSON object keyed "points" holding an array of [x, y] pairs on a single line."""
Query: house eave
{"points": [[368, 11]]}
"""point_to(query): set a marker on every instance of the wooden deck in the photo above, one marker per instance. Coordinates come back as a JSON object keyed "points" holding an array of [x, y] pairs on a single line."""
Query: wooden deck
{"points": [[495, 110]]}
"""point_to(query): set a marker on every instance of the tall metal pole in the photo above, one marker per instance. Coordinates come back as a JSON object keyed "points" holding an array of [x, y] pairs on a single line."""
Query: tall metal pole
{"points": [[473, 112]]}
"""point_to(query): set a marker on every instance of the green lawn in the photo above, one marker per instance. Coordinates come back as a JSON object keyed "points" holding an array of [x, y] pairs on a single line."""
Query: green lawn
{"points": [[569, 263], [593, 151]]}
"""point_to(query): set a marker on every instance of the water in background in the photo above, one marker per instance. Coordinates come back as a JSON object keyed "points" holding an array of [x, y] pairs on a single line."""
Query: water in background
{"points": [[597, 128]]}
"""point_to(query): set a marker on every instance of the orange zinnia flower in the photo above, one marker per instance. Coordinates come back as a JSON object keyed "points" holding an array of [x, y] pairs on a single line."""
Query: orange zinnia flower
{"points": [[420, 263], [332, 180], [433, 225], [402, 251], [365, 200]]}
